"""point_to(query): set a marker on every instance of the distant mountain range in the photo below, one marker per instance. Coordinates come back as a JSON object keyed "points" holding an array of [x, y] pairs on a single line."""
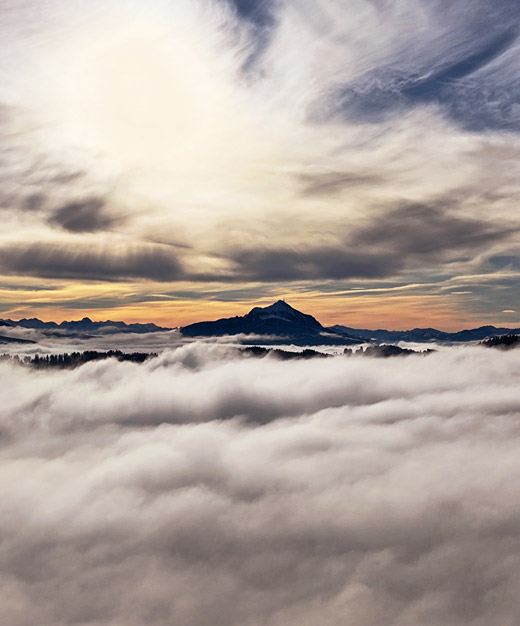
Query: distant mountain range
{"points": [[424, 335], [84, 326], [285, 324], [276, 324]]}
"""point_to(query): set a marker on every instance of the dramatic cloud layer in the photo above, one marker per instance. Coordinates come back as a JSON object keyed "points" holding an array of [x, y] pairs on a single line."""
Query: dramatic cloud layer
{"points": [[291, 148], [208, 490], [380, 249], [91, 262], [80, 217]]}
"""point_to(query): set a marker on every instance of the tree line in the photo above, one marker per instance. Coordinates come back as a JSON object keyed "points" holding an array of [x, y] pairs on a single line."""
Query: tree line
{"points": [[75, 359]]}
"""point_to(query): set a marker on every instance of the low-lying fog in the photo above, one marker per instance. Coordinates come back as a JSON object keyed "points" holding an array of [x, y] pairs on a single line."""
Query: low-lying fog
{"points": [[204, 489]]}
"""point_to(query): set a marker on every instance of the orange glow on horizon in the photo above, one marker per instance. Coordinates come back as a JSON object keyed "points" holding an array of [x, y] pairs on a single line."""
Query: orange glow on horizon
{"points": [[393, 312]]}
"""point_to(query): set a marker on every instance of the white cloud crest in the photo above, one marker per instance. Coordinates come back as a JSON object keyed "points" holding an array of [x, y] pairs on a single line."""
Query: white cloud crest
{"points": [[203, 489]]}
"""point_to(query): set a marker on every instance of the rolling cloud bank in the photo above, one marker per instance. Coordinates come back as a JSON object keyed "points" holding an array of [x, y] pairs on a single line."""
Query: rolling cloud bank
{"points": [[205, 490]]}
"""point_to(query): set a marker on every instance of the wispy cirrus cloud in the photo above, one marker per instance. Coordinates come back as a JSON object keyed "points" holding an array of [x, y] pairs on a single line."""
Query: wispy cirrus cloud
{"points": [[286, 129]]}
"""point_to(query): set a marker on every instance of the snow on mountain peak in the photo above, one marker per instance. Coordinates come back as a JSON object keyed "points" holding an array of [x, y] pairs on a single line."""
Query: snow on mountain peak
{"points": [[279, 309], [280, 305], [283, 312]]}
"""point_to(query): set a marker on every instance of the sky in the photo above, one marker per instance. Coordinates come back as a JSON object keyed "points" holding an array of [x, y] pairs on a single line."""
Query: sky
{"points": [[172, 161], [205, 489]]}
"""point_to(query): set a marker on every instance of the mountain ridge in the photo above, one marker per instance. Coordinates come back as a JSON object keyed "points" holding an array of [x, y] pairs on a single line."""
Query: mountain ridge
{"points": [[83, 325], [276, 323], [427, 335], [279, 320], [259, 321]]}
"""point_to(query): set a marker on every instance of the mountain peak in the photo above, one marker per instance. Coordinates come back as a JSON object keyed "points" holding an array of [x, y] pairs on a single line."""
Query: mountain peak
{"points": [[278, 322], [279, 305], [279, 310]]}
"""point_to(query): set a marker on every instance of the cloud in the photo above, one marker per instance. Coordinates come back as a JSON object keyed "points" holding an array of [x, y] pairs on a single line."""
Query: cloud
{"points": [[387, 244], [259, 12], [86, 216], [430, 230], [325, 183], [453, 86], [91, 262], [326, 262], [289, 129], [502, 261], [300, 493], [377, 248], [461, 62]]}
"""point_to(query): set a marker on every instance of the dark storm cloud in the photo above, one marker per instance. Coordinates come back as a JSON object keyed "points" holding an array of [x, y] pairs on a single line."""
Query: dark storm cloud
{"points": [[386, 245], [90, 262], [84, 216], [386, 497]]}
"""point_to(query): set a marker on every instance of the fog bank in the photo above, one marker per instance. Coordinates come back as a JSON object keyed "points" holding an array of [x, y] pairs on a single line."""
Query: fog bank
{"points": [[206, 490]]}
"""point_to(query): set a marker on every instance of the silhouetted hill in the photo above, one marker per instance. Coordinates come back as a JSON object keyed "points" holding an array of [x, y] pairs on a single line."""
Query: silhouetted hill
{"points": [[385, 351], [382, 352], [277, 323], [75, 359], [283, 355], [423, 335], [505, 342], [4, 339], [84, 326]]}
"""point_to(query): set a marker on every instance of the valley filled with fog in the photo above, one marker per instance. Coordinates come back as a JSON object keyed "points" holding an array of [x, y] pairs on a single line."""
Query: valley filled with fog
{"points": [[208, 488]]}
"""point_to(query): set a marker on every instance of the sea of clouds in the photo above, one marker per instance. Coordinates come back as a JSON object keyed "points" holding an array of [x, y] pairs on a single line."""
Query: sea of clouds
{"points": [[207, 489]]}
